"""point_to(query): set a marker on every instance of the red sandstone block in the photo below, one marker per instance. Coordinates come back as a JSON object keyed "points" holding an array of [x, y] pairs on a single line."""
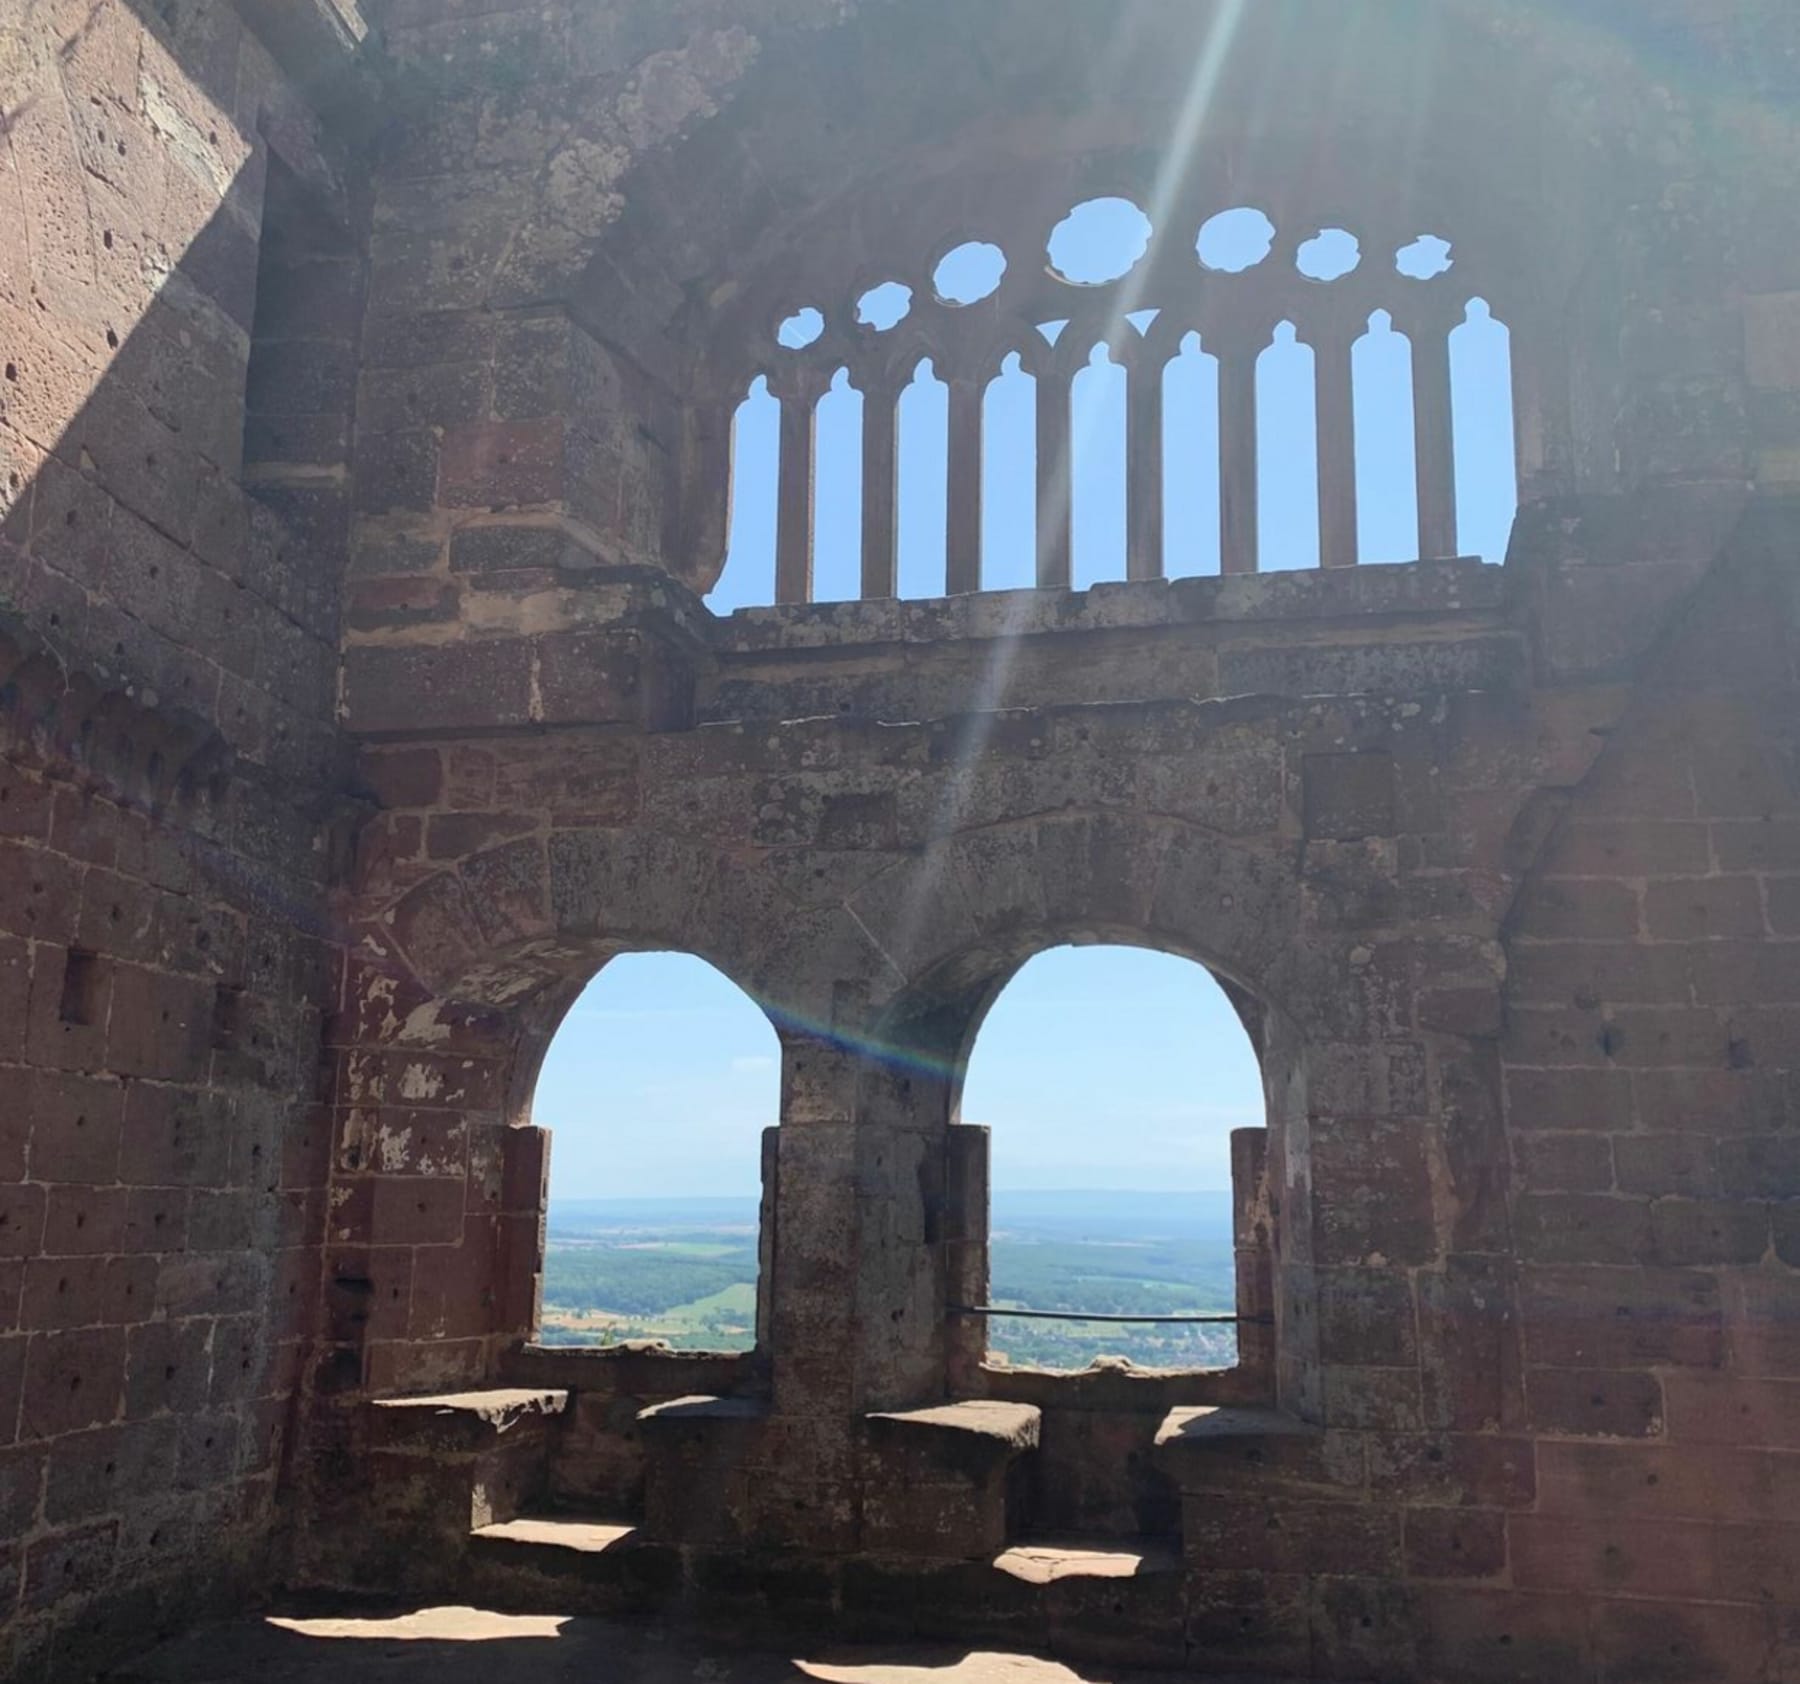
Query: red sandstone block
{"points": [[25, 805], [396, 471], [1721, 1101], [64, 1292], [1665, 1163], [1509, 1637], [83, 1221], [403, 777], [399, 1365], [21, 1488], [69, 1564], [1731, 1409], [1593, 1403], [1590, 973], [454, 1286], [1783, 897], [416, 1210], [160, 1024], [176, 1136], [72, 1380], [1554, 1037], [1703, 909], [525, 1172], [13, 1353], [15, 996], [168, 1366], [107, 1469], [1569, 1100], [1455, 1543], [492, 463], [75, 1127], [1564, 1163], [1684, 1643], [1455, 1469], [1613, 1556], [444, 687], [1583, 1228], [1763, 1322], [1621, 1317], [1692, 1481], [1688, 1232], [1589, 910], [1290, 1537], [21, 1220], [1629, 848], [1366, 1317]]}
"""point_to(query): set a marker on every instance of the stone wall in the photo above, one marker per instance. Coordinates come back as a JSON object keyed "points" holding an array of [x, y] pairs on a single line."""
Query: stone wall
{"points": [[169, 774], [1501, 862]]}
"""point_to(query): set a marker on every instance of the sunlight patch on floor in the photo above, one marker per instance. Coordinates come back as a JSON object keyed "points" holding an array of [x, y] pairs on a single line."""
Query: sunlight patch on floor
{"points": [[431, 1625]]}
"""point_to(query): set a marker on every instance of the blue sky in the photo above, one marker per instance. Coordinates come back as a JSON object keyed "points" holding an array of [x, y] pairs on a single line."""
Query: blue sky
{"points": [[1107, 1068]]}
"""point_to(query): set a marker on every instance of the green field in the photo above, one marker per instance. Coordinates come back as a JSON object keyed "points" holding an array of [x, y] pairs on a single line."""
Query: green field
{"points": [[685, 1271]]}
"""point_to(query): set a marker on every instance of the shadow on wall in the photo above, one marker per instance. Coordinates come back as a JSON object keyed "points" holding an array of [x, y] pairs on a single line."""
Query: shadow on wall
{"points": [[129, 543], [162, 966]]}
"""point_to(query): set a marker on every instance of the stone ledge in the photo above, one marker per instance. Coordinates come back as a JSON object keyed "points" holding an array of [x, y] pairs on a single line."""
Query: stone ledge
{"points": [[465, 1420], [1013, 1426], [1047, 1561], [1463, 585]]}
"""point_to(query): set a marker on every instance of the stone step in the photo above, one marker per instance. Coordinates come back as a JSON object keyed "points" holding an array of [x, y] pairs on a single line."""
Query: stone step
{"points": [[1042, 1561]]}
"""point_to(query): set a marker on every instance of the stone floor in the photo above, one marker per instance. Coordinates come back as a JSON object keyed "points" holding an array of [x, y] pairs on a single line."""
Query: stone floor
{"points": [[471, 1646]]}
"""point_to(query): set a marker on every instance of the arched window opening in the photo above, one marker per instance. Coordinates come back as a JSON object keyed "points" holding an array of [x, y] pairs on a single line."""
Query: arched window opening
{"points": [[1111, 1079], [1009, 479], [1287, 454], [748, 576], [923, 495], [657, 1087], [1190, 446], [837, 492], [1097, 463], [1387, 486], [1481, 407]]}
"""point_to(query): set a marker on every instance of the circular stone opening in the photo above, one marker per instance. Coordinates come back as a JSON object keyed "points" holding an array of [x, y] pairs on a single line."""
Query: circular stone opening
{"points": [[1100, 240], [968, 273], [1235, 240]]}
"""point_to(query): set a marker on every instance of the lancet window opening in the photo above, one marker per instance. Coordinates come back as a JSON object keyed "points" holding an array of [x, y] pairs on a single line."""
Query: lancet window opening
{"points": [[1249, 400]]}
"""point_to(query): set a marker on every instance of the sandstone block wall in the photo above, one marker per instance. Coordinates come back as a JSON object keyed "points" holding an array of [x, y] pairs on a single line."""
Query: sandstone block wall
{"points": [[168, 673], [435, 320]]}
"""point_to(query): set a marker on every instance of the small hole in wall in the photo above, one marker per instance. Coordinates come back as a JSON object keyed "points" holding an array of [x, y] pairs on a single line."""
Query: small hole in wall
{"points": [[12, 371], [106, 239], [80, 1002], [112, 339], [226, 1016]]}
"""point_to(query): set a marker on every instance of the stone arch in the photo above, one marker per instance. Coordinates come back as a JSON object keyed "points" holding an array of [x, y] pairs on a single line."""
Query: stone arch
{"points": [[1012, 890]]}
